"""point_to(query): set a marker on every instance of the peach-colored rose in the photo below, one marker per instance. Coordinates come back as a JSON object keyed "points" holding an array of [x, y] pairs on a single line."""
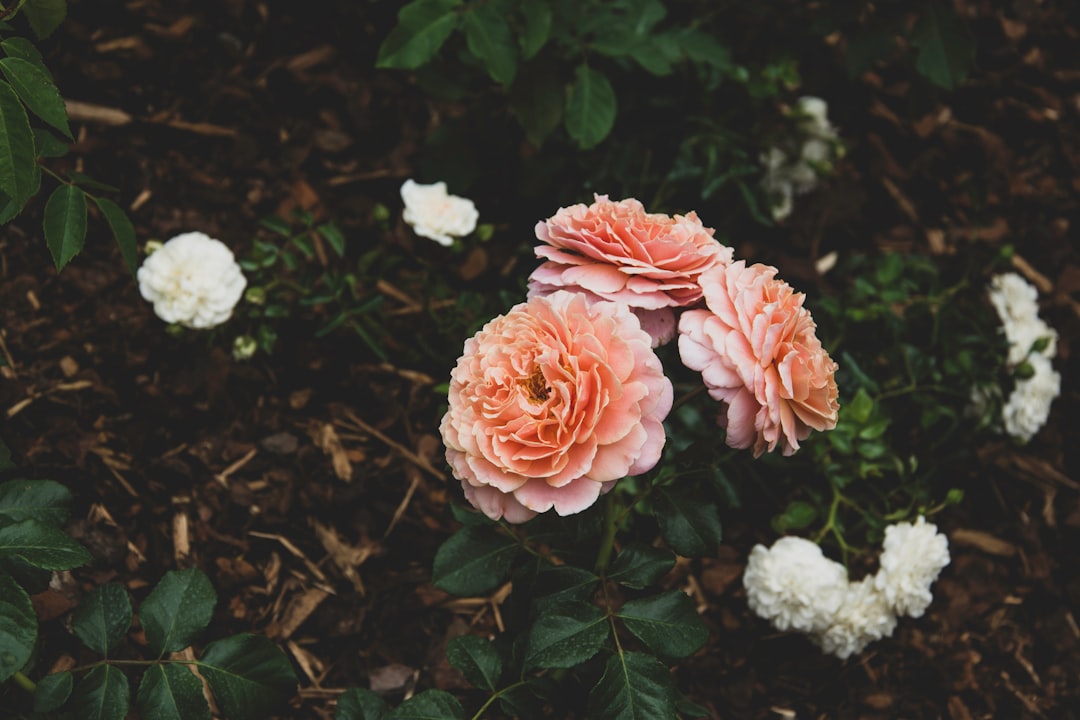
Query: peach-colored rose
{"points": [[757, 350], [616, 251], [552, 403]]}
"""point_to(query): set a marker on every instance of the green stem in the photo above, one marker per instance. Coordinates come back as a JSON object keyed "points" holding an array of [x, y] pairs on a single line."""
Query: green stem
{"points": [[24, 682], [607, 541], [9, 12], [495, 696]]}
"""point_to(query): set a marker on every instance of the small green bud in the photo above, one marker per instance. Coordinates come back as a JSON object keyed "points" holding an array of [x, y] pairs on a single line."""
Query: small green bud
{"points": [[1024, 371], [380, 213], [244, 346], [1040, 345], [485, 231], [255, 296], [954, 497], [175, 329], [152, 246]]}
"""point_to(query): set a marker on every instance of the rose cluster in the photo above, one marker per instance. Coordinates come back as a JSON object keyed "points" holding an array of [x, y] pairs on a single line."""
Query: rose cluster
{"points": [[795, 587], [553, 402], [792, 166]]}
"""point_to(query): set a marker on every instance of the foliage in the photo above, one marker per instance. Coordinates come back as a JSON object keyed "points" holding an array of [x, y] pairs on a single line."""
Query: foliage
{"points": [[27, 91], [247, 674]]}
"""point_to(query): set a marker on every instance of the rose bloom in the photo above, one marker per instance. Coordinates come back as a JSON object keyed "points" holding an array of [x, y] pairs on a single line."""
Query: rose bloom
{"points": [[616, 251], [551, 403], [192, 280], [758, 352], [437, 215], [793, 585]]}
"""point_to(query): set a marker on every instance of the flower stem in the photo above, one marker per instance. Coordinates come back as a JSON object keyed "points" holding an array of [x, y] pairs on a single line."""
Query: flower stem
{"points": [[495, 696], [24, 682], [607, 541]]}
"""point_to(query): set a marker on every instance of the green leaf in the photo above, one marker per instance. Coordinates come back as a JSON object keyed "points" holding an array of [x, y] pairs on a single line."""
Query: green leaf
{"points": [[489, 39], [565, 636], [44, 500], [46, 144], [5, 457], [477, 659], [689, 524], [171, 692], [798, 515], [667, 623], [275, 224], [177, 609], [17, 163], [635, 686], [42, 545], [429, 705], [423, 26], [946, 48], [65, 224], [249, 676], [18, 627], [88, 183], [45, 15], [123, 231], [537, 15], [361, 704], [473, 560], [36, 88], [22, 48], [639, 565], [858, 411], [103, 694], [565, 583], [590, 107], [537, 98], [332, 234], [53, 691], [103, 618]]}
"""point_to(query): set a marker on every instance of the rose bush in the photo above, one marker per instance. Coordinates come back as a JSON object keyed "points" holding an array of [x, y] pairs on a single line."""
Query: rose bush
{"points": [[551, 403]]}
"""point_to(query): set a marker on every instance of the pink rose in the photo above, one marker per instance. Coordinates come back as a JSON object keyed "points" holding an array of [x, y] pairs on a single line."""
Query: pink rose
{"points": [[616, 251], [552, 403], [757, 351]]}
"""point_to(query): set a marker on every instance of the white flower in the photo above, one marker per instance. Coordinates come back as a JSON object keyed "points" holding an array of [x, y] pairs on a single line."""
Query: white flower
{"points": [[1028, 406], [815, 112], [192, 280], [793, 585], [911, 561], [434, 214], [793, 167], [244, 347], [863, 616]]}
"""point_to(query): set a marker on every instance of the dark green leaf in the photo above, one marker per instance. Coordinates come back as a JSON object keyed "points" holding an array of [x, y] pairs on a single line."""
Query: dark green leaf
{"points": [[477, 659], [590, 107], [44, 500], [18, 627], [276, 225], [177, 610], [33, 579], [423, 26], [17, 163], [639, 565], [489, 39], [797, 515], [537, 15], [171, 692], [65, 224], [429, 705], [565, 583], [332, 234], [667, 623], [473, 560], [45, 15], [704, 48], [123, 231], [537, 99], [88, 183], [18, 47], [42, 545], [858, 411], [103, 617], [5, 457], [565, 636], [635, 686], [102, 694], [946, 48], [53, 691], [689, 524], [36, 89], [361, 704], [249, 676], [46, 144]]}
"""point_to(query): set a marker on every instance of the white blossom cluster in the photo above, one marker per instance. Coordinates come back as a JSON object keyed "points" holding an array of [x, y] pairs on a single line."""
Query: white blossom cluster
{"points": [[1032, 344], [192, 280], [793, 167], [435, 214], [795, 587]]}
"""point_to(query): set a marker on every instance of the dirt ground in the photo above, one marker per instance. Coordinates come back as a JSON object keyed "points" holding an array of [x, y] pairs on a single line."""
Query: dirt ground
{"points": [[280, 478]]}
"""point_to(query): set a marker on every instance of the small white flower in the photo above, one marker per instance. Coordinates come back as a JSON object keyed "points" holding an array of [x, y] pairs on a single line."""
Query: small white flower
{"points": [[244, 347], [816, 116], [863, 616], [192, 280], [793, 167], [434, 214], [912, 558], [794, 586], [1028, 406]]}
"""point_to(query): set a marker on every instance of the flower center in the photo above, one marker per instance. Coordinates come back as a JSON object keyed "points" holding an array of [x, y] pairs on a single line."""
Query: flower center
{"points": [[535, 386]]}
